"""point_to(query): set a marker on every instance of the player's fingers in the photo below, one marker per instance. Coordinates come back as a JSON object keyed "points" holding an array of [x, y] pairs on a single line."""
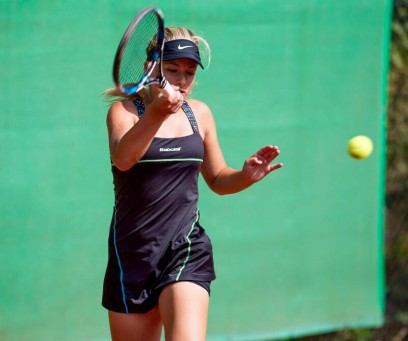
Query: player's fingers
{"points": [[254, 161], [275, 167], [271, 154]]}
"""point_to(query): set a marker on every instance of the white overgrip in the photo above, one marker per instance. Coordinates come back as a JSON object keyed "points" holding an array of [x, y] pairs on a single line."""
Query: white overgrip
{"points": [[167, 90]]}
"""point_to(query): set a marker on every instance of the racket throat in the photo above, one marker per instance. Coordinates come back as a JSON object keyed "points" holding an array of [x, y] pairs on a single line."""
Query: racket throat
{"points": [[164, 83]]}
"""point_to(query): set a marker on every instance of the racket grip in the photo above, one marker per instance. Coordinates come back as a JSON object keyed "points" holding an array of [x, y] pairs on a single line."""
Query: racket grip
{"points": [[166, 89]]}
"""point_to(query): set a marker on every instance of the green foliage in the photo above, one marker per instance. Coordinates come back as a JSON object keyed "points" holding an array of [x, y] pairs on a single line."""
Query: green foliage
{"points": [[399, 43], [397, 169]]}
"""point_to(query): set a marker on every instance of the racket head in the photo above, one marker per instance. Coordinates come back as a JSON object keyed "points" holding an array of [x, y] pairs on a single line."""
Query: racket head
{"points": [[139, 51]]}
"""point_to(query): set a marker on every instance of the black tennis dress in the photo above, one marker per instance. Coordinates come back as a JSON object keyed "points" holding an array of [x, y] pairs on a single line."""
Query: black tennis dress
{"points": [[155, 237]]}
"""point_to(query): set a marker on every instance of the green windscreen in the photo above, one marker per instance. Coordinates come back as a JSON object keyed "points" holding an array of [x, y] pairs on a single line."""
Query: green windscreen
{"points": [[298, 253]]}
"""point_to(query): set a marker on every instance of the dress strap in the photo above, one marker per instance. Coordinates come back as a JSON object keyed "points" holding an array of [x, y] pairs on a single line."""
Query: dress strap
{"points": [[191, 118], [139, 106]]}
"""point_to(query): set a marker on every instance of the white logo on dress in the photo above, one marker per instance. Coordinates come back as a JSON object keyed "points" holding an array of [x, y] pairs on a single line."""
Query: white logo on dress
{"points": [[177, 149]]}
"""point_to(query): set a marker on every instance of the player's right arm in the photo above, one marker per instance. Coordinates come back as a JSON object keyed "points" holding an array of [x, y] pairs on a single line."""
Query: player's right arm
{"points": [[129, 136]]}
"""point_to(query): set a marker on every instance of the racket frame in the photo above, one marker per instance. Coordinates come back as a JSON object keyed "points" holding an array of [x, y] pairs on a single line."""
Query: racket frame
{"points": [[157, 57]]}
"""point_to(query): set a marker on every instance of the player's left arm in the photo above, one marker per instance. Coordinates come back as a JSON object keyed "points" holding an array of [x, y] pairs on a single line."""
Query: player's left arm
{"points": [[221, 178]]}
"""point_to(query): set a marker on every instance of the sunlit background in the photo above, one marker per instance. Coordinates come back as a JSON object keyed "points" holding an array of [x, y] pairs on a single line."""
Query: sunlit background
{"points": [[319, 247]]}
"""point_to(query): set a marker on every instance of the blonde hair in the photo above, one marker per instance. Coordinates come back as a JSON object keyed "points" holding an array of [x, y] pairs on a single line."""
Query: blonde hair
{"points": [[170, 33]]}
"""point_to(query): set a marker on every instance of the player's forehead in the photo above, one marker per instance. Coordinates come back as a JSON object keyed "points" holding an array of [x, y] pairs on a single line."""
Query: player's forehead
{"points": [[182, 62]]}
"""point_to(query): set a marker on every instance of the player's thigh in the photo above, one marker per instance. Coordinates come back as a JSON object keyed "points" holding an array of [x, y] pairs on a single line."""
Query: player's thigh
{"points": [[184, 309], [129, 327]]}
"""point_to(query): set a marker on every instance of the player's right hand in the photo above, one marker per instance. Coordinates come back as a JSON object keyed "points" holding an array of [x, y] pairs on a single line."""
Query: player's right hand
{"points": [[163, 105]]}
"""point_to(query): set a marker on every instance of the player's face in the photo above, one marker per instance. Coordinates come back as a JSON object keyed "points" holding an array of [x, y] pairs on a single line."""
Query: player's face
{"points": [[181, 73]]}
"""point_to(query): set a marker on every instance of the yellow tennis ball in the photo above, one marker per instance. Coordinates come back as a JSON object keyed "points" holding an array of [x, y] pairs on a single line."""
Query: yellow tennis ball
{"points": [[360, 147]]}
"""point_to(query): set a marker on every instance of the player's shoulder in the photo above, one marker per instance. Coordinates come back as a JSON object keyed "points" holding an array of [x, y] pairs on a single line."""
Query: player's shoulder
{"points": [[122, 111], [199, 107], [203, 114], [125, 107]]}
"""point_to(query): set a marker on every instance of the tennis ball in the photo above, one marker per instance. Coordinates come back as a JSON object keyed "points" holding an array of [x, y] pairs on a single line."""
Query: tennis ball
{"points": [[360, 147]]}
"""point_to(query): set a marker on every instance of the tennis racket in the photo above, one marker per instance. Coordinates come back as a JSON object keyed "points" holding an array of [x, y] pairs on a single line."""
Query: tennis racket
{"points": [[138, 59]]}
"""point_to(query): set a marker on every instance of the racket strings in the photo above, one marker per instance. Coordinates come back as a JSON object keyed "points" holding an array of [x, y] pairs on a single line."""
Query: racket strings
{"points": [[141, 48]]}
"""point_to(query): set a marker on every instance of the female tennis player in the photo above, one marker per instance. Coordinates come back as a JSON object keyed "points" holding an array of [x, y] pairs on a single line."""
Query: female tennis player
{"points": [[160, 264]]}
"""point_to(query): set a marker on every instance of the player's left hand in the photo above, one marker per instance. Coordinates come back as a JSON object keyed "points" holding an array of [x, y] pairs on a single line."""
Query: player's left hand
{"points": [[257, 166]]}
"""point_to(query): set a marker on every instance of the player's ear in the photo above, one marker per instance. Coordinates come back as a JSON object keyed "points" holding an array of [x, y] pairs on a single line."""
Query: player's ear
{"points": [[147, 64]]}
